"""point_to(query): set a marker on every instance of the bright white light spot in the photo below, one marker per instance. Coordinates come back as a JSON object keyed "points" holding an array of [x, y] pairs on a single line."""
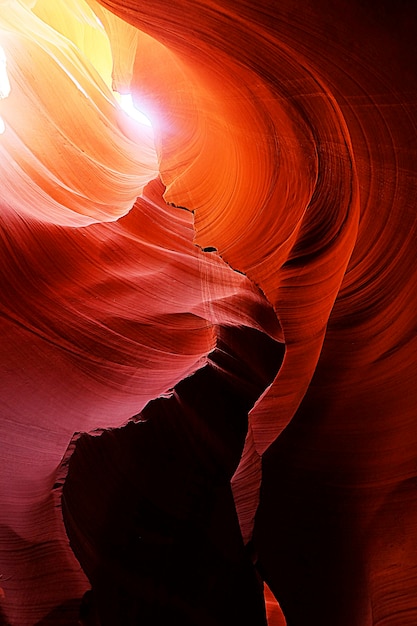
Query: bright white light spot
{"points": [[127, 105], [4, 79], [99, 22], [2, 126]]}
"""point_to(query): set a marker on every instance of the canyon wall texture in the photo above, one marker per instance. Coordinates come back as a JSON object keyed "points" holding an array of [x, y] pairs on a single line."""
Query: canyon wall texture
{"points": [[208, 325]]}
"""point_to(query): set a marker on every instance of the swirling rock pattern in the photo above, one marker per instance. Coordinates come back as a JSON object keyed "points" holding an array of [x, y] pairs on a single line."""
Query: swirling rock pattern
{"points": [[230, 387]]}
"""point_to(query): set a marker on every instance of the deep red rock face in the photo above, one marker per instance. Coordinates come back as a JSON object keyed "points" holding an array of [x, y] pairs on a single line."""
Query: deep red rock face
{"points": [[208, 328]]}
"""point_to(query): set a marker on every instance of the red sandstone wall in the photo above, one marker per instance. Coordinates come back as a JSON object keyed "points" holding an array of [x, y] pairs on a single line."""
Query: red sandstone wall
{"points": [[289, 129]]}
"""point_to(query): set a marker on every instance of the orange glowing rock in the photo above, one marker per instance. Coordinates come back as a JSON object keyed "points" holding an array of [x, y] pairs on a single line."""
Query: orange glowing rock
{"points": [[49, 139]]}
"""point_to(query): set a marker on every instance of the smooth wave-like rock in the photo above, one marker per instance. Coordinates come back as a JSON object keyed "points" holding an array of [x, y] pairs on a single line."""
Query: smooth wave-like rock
{"points": [[288, 131], [81, 351]]}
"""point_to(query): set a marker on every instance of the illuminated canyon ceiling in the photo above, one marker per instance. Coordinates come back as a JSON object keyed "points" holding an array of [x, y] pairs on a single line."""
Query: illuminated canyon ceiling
{"points": [[208, 315]]}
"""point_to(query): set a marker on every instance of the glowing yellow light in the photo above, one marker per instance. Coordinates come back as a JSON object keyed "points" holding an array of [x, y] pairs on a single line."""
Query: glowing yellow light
{"points": [[127, 105]]}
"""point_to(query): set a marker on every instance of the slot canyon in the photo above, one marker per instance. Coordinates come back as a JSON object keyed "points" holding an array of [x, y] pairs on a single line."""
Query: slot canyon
{"points": [[208, 313]]}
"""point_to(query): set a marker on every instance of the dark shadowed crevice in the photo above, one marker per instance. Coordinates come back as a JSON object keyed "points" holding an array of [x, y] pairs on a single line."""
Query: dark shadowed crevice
{"points": [[305, 523], [149, 509]]}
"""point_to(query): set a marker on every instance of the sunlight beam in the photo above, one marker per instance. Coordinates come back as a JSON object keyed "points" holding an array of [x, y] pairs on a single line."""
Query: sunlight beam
{"points": [[128, 107]]}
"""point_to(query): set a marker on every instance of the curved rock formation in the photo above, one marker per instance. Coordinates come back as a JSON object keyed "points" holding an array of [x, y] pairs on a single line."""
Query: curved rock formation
{"points": [[230, 386]]}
